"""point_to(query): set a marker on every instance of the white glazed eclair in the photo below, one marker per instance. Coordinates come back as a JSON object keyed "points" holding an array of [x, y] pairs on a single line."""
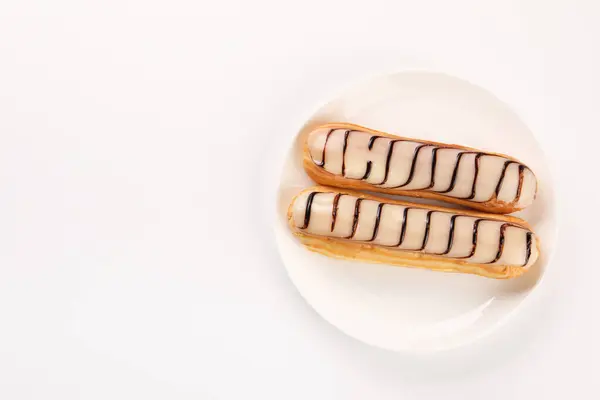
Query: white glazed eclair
{"points": [[351, 156], [357, 226]]}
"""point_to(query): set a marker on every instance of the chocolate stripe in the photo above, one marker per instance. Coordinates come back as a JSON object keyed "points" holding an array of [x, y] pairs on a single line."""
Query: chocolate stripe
{"points": [[372, 141], [308, 209], [477, 158], [387, 161], [502, 175], [427, 226], [501, 245], [346, 134], [412, 166], [403, 229], [450, 236], [336, 200], [433, 164], [322, 163], [521, 178], [377, 219], [455, 172], [474, 240], [355, 220], [528, 253], [368, 171]]}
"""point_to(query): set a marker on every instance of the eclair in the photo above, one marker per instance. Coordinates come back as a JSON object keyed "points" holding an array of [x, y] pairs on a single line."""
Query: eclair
{"points": [[357, 226], [350, 156]]}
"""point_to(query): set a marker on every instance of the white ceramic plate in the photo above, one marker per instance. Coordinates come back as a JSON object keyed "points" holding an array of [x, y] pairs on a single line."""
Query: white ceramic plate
{"points": [[406, 309]]}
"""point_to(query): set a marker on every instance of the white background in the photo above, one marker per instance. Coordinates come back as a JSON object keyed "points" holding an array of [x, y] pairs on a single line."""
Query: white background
{"points": [[136, 255]]}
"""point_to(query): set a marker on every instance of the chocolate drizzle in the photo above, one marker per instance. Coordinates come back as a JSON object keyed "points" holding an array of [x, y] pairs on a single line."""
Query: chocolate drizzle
{"points": [[433, 163], [346, 134], [367, 171], [450, 235], [403, 229], [427, 225], [477, 157], [355, 219], [455, 171], [499, 185], [501, 245], [387, 161], [336, 200], [377, 219], [372, 141], [521, 178], [528, 252], [308, 209], [412, 171], [322, 163], [501, 242], [412, 166], [474, 240]]}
